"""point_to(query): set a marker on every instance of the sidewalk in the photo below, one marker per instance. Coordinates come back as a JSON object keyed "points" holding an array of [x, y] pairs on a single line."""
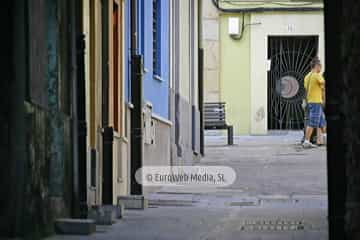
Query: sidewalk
{"points": [[279, 194]]}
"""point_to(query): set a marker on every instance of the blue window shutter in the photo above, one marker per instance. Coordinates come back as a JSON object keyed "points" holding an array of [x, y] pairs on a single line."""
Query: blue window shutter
{"points": [[157, 38]]}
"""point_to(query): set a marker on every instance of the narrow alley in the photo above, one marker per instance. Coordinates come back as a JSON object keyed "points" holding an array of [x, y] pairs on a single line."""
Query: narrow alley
{"points": [[280, 193], [246, 110]]}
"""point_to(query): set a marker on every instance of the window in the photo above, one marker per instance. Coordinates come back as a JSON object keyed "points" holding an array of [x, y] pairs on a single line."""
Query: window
{"points": [[157, 39]]}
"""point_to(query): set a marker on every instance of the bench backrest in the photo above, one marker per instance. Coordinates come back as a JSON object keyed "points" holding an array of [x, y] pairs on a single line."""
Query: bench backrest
{"points": [[214, 114]]}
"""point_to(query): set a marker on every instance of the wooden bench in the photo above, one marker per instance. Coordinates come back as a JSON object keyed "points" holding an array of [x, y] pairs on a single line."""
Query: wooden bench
{"points": [[214, 115]]}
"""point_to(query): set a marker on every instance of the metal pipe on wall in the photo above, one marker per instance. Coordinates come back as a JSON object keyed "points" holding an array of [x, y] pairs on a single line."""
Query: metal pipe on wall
{"points": [[137, 101], [81, 110], [108, 133]]}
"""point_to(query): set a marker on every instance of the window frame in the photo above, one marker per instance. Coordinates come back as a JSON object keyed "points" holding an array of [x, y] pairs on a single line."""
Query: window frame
{"points": [[156, 27]]}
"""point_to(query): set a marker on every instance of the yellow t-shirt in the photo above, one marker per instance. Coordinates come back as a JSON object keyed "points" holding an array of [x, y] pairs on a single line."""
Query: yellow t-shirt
{"points": [[316, 87]]}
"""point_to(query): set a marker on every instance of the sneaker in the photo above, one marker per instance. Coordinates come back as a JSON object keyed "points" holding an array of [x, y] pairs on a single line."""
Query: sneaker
{"points": [[308, 144]]}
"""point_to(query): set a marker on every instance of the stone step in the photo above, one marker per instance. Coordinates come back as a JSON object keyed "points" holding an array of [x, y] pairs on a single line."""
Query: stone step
{"points": [[75, 226], [133, 202], [106, 215]]}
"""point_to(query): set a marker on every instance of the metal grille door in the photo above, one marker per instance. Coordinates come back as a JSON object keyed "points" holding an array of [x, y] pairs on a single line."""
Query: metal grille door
{"points": [[290, 61]]}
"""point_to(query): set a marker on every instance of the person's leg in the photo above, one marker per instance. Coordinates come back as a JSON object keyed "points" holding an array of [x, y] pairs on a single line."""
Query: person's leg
{"points": [[314, 119], [322, 125], [308, 133], [323, 129], [319, 136], [307, 143], [306, 124]]}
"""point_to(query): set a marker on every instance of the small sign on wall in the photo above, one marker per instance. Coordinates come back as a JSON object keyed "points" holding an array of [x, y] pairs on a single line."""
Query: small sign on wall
{"points": [[268, 64], [234, 26], [290, 28]]}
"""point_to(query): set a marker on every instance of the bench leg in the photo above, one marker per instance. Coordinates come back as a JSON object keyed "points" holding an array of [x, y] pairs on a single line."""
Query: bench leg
{"points": [[230, 135]]}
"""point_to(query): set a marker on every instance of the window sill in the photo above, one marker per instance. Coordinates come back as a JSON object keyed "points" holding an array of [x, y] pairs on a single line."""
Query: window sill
{"points": [[158, 78], [161, 119]]}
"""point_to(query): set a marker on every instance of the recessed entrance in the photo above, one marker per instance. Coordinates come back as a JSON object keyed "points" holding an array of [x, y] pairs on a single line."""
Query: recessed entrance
{"points": [[290, 60]]}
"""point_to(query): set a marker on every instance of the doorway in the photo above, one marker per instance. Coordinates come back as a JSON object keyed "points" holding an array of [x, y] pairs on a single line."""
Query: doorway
{"points": [[290, 61]]}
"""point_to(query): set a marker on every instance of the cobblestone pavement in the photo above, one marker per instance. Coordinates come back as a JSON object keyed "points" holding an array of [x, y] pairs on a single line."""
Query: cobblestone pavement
{"points": [[279, 194]]}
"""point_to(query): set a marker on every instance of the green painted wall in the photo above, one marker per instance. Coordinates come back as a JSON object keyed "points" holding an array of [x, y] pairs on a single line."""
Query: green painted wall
{"points": [[235, 75]]}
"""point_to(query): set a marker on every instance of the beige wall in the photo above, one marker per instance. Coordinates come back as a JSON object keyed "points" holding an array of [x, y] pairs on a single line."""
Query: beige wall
{"points": [[188, 67], [235, 75], [184, 78], [121, 156], [236, 69], [281, 24], [92, 23], [211, 45]]}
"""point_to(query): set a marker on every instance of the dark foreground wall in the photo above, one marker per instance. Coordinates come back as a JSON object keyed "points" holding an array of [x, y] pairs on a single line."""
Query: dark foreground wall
{"points": [[342, 25], [35, 120], [6, 60]]}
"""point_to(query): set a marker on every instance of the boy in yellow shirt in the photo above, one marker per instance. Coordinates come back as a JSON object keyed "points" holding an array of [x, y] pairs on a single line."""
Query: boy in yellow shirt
{"points": [[314, 84]]}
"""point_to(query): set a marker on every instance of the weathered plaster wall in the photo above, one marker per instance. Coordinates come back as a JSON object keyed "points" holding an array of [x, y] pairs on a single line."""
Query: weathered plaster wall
{"points": [[158, 154], [243, 69], [211, 44], [184, 81], [120, 165], [39, 209], [40, 173], [235, 75]]}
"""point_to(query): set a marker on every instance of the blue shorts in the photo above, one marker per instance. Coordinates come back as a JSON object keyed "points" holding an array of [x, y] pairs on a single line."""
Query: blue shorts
{"points": [[316, 116]]}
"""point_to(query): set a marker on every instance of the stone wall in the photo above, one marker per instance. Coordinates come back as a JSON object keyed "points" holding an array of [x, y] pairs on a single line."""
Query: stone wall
{"points": [[36, 141], [211, 45]]}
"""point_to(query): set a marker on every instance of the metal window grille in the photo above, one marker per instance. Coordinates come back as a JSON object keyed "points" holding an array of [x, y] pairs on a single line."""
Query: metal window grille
{"points": [[156, 37]]}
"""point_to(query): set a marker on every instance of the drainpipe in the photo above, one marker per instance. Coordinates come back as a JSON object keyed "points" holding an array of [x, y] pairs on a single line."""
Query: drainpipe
{"points": [[81, 131], [137, 100], [201, 100], [75, 204], [108, 133]]}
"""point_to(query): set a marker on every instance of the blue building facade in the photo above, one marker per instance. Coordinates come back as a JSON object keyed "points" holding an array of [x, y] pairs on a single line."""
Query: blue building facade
{"points": [[153, 41]]}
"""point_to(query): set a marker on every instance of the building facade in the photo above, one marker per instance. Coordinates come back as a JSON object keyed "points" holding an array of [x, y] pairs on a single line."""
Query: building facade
{"points": [[255, 60], [102, 89], [185, 83], [40, 117]]}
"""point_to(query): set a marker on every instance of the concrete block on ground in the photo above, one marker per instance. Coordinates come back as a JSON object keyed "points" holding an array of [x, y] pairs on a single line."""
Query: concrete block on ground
{"points": [[120, 210], [75, 226], [103, 215], [133, 202]]}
